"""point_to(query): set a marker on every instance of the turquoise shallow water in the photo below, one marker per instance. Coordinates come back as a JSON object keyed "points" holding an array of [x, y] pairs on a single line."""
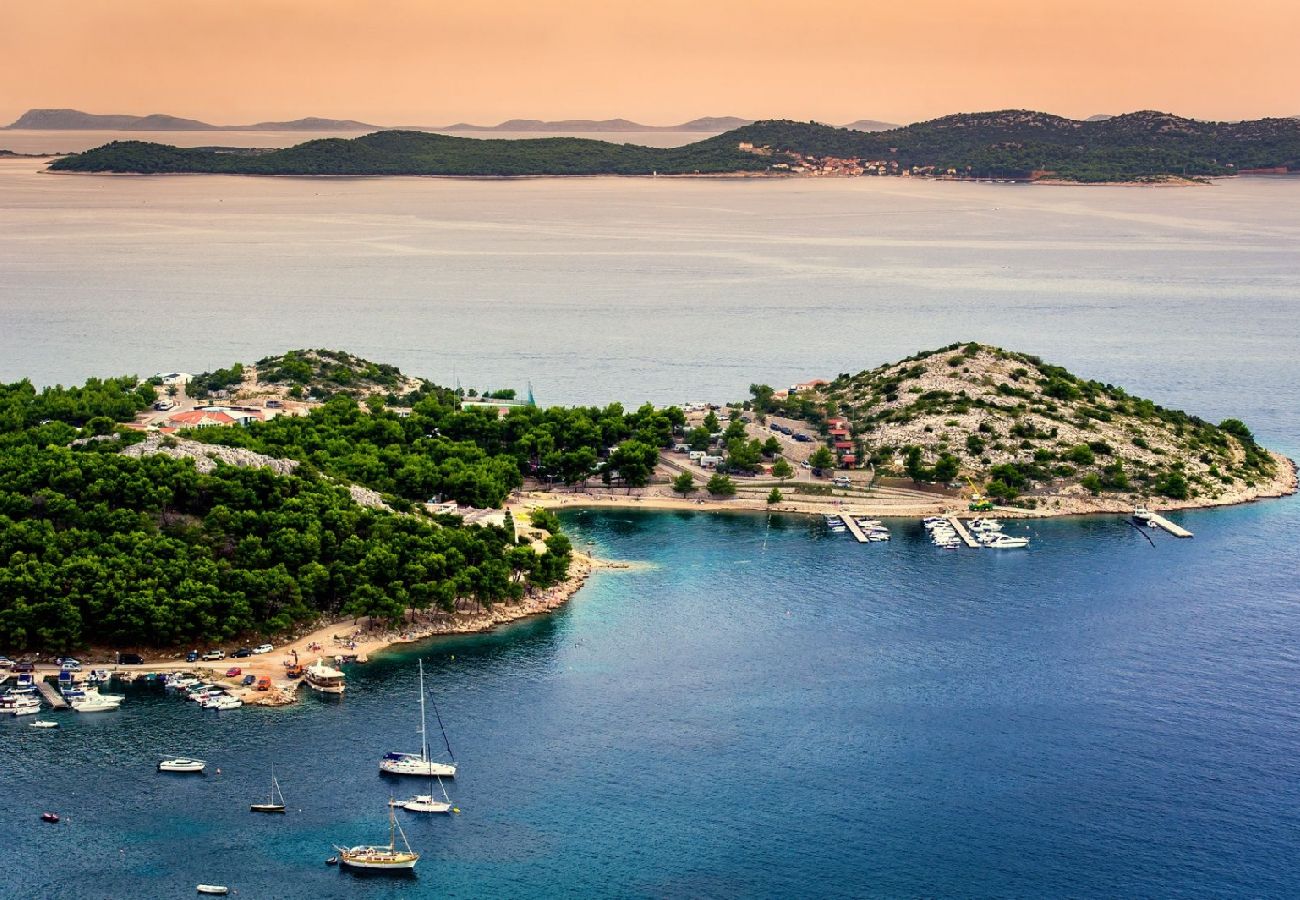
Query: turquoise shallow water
{"points": [[766, 710]]}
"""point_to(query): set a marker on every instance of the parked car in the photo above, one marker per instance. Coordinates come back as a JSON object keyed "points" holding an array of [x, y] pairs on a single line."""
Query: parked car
{"points": [[263, 683], [24, 667], [68, 661], [70, 666], [250, 680], [264, 648], [213, 655], [802, 438], [6, 662], [234, 672], [130, 659], [242, 652], [192, 656]]}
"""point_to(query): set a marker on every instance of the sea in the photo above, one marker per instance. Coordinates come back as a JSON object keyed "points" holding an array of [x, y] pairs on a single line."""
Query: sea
{"points": [[759, 708]]}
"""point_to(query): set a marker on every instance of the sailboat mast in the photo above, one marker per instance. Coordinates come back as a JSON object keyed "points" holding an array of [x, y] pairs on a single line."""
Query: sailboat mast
{"points": [[424, 738]]}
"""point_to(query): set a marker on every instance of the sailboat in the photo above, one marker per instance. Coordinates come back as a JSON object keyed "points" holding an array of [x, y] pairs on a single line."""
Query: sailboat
{"points": [[426, 803], [411, 764], [275, 804], [378, 857]]}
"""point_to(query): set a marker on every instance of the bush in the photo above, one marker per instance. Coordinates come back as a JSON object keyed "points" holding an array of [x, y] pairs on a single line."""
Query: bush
{"points": [[1081, 454], [721, 486]]}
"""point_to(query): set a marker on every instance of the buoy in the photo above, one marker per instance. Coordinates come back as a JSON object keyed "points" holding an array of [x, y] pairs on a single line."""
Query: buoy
{"points": [[455, 810]]}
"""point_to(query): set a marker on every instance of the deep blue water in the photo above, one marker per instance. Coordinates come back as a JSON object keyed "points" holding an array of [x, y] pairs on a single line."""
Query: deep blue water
{"points": [[767, 711]]}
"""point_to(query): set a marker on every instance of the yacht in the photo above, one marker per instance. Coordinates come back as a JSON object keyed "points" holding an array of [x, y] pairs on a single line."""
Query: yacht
{"points": [[94, 701], [426, 803], [1007, 542], [1142, 516], [396, 763], [181, 764], [275, 803], [383, 858], [21, 704], [321, 676]]}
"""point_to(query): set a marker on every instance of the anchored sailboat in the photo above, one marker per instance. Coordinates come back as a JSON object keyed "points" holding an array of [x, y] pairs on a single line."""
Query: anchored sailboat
{"points": [[379, 857], [276, 802], [411, 764]]}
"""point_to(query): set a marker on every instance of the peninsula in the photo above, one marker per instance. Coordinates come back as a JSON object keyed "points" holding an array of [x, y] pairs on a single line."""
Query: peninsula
{"points": [[1008, 144], [272, 498]]}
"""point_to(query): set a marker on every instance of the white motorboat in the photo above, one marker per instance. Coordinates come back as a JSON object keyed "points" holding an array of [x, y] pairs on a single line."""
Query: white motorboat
{"points": [[93, 701], [381, 858], [321, 676], [1007, 542], [44, 723], [420, 764], [22, 705], [181, 764], [1142, 516], [225, 701], [217, 889]]}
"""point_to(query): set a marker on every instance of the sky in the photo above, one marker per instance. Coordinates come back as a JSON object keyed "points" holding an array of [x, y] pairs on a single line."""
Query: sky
{"points": [[433, 62]]}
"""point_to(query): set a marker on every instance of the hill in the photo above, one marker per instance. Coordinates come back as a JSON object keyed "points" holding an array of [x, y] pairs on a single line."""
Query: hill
{"points": [[76, 120], [1032, 432], [421, 153], [871, 125], [1019, 144]]}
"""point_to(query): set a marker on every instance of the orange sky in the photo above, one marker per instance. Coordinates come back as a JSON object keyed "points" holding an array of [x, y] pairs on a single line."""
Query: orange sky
{"points": [[436, 61]]}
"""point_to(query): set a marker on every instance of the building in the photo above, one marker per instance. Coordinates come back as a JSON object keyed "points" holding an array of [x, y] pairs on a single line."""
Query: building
{"points": [[200, 418]]}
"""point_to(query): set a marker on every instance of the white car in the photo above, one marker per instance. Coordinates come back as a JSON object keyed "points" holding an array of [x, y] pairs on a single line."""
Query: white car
{"points": [[265, 648], [214, 654]]}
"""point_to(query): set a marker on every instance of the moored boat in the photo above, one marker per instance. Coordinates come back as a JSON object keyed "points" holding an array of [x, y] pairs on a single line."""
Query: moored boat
{"points": [[380, 857], [217, 889], [321, 676], [181, 764], [396, 763], [275, 803]]}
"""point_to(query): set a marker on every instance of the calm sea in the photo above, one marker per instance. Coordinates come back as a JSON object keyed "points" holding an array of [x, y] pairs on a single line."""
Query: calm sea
{"points": [[765, 711]]}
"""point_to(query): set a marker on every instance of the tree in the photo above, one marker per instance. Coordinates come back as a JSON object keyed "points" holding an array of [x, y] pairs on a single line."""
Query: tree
{"points": [[634, 462], [684, 484], [711, 422], [822, 459], [721, 486], [699, 438], [782, 469], [762, 395], [774, 496], [771, 447], [946, 468]]}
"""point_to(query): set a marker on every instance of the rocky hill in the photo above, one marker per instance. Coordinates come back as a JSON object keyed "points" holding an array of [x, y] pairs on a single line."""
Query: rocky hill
{"points": [[1023, 430], [316, 374]]}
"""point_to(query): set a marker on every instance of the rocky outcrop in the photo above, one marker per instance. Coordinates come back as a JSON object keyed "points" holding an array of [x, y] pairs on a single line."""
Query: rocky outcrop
{"points": [[207, 456]]}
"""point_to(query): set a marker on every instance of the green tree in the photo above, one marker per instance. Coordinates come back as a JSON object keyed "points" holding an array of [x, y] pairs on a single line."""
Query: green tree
{"points": [[711, 422], [774, 496], [771, 447], [721, 486], [782, 469], [684, 484], [822, 458]]}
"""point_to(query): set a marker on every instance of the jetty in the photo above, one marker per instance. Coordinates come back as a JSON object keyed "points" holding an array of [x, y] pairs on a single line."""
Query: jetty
{"points": [[1161, 522], [52, 696], [962, 533], [854, 528]]}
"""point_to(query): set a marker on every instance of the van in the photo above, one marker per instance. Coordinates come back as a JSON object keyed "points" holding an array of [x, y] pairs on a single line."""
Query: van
{"points": [[130, 659], [697, 455], [710, 461], [681, 448]]}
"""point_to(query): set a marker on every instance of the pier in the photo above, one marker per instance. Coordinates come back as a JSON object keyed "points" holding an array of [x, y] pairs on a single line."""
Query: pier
{"points": [[854, 528], [1161, 522], [962, 533], [51, 695]]}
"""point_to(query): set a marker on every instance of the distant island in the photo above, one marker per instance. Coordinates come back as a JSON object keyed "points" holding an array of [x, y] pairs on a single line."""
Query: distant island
{"points": [[1009, 144], [76, 120], [264, 498]]}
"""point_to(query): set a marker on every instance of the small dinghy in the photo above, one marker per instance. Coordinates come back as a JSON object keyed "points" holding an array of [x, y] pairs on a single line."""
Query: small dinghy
{"points": [[42, 723], [51, 817], [212, 889]]}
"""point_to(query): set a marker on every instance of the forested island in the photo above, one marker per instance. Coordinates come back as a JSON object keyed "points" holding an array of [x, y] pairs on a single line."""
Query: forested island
{"points": [[263, 497], [1010, 144]]}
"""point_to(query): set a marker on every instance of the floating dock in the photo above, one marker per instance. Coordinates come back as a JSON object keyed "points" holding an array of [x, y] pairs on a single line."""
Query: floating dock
{"points": [[962, 533], [51, 695], [854, 528], [1162, 522]]}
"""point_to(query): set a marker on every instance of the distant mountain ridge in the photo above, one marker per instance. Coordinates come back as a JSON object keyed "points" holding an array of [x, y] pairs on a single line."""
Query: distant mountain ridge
{"points": [[76, 120]]}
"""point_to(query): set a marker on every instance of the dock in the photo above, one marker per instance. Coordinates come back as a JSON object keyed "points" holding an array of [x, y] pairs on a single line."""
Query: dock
{"points": [[51, 695], [854, 528], [962, 533], [1176, 530]]}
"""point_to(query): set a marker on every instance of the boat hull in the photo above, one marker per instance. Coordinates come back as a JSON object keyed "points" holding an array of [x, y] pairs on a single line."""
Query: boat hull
{"points": [[383, 862], [417, 766], [266, 808]]}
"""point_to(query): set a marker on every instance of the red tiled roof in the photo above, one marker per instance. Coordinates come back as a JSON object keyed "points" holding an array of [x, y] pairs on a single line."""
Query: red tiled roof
{"points": [[200, 417]]}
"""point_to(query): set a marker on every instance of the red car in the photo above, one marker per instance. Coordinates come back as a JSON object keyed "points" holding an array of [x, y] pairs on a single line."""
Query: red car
{"points": [[234, 673]]}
